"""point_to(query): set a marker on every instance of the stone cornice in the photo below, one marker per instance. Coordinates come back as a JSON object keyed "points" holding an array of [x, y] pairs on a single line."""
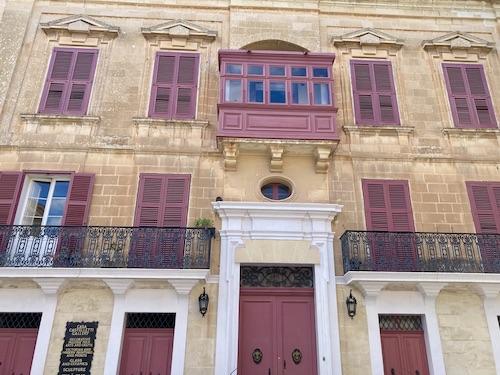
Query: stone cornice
{"points": [[458, 46]]}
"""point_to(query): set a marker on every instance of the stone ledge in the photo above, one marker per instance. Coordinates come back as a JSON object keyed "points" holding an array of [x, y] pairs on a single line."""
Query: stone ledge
{"points": [[378, 130], [471, 133], [174, 123]]}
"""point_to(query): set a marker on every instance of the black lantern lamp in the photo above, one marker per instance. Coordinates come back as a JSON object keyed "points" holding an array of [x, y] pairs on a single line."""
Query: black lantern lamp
{"points": [[203, 301], [351, 305]]}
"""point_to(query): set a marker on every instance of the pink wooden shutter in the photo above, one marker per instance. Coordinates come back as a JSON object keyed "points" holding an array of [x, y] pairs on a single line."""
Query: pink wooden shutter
{"points": [[78, 202], [69, 81], [363, 92], [162, 200], [469, 96], [374, 93], [386, 93], [174, 89], [387, 206], [484, 199], [10, 187]]}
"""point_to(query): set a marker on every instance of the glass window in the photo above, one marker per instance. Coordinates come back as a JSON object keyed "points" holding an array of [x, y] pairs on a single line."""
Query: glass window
{"points": [[45, 202], [257, 70], [320, 72], [233, 69], [299, 93], [321, 93], [277, 70], [233, 90], [256, 91], [277, 92], [299, 72], [276, 191]]}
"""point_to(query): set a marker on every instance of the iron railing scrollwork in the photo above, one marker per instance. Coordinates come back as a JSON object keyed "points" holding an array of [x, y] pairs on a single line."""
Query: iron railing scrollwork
{"points": [[283, 277], [420, 251], [95, 247]]}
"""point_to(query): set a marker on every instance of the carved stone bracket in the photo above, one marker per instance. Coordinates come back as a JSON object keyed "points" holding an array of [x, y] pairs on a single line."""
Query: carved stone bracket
{"points": [[80, 30], [276, 153], [369, 43], [231, 151], [322, 155], [179, 34], [458, 46]]}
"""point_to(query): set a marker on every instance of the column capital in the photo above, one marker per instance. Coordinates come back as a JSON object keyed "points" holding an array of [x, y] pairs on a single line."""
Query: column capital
{"points": [[119, 286]]}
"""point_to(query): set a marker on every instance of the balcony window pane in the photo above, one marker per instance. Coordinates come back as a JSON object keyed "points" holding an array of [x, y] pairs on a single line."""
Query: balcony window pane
{"points": [[320, 72], [299, 72], [257, 70], [277, 70], [277, 92], [233, 90], [299, 93], [256, 91], [321, 93], [233, 69]]}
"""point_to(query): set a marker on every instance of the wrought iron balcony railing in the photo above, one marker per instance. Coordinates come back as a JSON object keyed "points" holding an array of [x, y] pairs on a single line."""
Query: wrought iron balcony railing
{"points": [[95, 247], [420, 252]]}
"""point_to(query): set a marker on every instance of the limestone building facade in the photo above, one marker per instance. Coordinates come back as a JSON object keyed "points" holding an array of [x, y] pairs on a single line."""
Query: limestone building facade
{"points": [[276, 156]]}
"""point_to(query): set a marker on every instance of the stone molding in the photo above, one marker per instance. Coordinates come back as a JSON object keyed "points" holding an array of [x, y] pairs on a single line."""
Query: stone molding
{"points": [[458, 46], [179, 34], [79, 30], [368, 43]]}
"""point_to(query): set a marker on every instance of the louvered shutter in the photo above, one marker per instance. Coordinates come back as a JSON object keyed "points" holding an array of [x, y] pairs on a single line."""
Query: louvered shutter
{"points": [[162, 200], [174, 88], [469, 96], [78, 201], [484, 199], [69, 81], [374, 93], [387, 206], [10, 186]]}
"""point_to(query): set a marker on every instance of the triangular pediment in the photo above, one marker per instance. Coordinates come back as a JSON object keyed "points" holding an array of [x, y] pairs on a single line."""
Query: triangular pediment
{"points": [[459, 40], [458, 46], [370, 43], [79, 23], [367, 36], [180, 28]]}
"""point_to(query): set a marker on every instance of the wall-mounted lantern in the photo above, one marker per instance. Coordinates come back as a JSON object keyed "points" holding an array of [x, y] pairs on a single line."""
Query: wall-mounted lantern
{"points": [[203, 301], [351, 305]]}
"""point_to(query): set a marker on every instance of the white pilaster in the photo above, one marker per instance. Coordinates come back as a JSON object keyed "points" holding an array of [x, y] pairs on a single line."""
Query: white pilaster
{"points": [[119, 288], [51, 289], [490, 293]]}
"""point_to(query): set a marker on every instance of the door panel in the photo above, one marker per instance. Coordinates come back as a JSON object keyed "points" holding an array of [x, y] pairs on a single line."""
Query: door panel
{"points": [[134, 353], [298, 333], [277, 321], [391, 353], [17, 347], [416, 355], [256, 332], [161, 353]]}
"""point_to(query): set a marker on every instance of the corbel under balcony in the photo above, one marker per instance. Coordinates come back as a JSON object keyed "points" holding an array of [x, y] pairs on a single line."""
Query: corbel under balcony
{"points": [[276, 150]]}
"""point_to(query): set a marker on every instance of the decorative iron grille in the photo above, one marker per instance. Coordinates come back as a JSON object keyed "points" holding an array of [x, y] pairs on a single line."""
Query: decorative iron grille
{"points": [[115, 247], [20, 320], [420, 252], [401, 322], [289, 277], [150, 320]]}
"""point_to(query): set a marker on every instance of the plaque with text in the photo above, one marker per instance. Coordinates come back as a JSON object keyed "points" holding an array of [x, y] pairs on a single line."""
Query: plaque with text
{"points": [[78, 348]]}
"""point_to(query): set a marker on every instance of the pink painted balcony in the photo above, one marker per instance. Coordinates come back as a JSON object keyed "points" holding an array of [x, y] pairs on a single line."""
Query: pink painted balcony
{"points": [[277, 95]]}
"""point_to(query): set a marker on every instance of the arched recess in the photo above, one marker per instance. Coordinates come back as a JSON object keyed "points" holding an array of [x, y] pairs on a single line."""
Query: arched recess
{"points": [[274, 45]]}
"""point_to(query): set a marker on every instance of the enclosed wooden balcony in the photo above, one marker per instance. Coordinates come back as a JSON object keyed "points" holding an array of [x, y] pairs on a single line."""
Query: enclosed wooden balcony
{"points": [[420, 252], [105, 247]]}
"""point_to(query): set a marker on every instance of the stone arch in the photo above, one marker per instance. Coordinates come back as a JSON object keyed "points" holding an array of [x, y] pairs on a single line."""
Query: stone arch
{"points": [[274, 45]]}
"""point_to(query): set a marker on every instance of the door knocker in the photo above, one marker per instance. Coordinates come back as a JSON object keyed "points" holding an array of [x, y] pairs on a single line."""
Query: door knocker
{"points": [[296, 356], [257, 356]]}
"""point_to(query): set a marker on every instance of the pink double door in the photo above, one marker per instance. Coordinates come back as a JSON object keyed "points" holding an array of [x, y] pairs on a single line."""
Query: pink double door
{"points": [[277, 332], [147, 351], [16, 350], [404, 352]]}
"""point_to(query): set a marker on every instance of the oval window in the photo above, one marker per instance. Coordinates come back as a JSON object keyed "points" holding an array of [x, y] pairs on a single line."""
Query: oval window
{"points": [[276, 191]]}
